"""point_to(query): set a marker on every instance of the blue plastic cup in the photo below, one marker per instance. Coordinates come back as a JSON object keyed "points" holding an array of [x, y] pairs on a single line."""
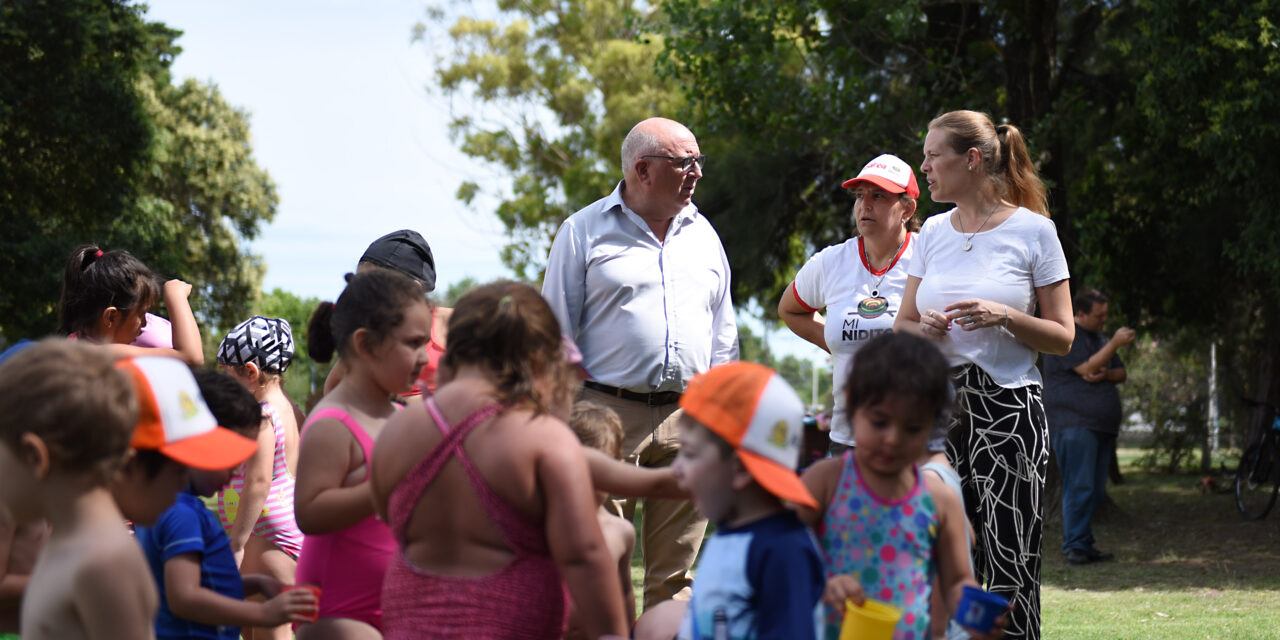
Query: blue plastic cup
{"points": [[979, 609]]}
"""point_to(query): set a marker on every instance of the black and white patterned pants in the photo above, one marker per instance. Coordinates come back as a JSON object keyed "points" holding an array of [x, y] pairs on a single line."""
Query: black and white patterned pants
{"points": [[999, 444]]}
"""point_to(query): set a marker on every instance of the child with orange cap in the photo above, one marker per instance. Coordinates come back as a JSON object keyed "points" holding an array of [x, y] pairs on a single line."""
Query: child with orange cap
{"points": [[761, 574]]}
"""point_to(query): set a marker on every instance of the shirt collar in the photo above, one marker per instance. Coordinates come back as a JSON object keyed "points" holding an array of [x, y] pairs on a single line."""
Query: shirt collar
{"points": [[614, 199]]}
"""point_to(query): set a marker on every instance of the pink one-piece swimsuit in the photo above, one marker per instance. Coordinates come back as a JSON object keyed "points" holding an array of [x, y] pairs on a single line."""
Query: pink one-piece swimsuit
{"points": [[348, 565], [525, 599]]}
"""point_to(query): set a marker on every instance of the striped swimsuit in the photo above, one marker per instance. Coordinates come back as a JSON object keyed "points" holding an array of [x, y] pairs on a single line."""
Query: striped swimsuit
{"points": [[276, 523]]}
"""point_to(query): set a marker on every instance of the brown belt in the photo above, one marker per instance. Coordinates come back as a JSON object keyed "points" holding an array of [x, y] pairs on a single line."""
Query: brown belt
{"points": [[653, 399]]}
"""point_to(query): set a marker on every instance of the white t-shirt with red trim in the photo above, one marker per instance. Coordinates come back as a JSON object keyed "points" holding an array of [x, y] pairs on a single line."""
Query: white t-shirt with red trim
{"points": [[839, 279]]}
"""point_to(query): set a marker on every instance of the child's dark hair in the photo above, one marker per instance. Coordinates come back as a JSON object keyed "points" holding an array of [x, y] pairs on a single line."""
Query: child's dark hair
{"points": [[95, 280], [900, 364], [508, 328], [374, 301], [598, 427], [72, 397], [232, 405]]}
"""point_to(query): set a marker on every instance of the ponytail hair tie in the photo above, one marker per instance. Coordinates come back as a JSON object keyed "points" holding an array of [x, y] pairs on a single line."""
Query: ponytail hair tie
{"points": [[98, 253]]}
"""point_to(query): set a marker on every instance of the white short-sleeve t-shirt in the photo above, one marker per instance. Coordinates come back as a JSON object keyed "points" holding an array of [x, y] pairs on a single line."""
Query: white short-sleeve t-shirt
{"points": [[839, 279], [1006, 265]]}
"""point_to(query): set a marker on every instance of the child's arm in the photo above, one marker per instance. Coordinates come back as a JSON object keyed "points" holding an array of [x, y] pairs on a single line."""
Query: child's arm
{"points": [[186, 333], [257, 484], [820, 478], [19, 547], [621, 479], [260, 584], [951, 553], [624, 572], [574, 535], [320, 503], [190, 601]]}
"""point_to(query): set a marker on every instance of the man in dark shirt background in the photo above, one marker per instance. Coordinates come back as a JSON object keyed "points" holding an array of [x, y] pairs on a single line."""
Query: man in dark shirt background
{"points": [[1083, 410]]}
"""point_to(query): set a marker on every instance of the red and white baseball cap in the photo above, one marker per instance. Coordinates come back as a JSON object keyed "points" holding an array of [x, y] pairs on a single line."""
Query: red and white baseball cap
{"points": [[888, 172], [174, 420], [757, 412]]}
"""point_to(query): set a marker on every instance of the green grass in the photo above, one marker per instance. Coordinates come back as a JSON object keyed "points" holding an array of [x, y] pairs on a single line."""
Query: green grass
{"points": [[1188, 567]]}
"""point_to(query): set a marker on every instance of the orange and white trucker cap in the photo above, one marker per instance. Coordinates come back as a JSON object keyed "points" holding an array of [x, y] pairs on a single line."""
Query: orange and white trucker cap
{"points": [[889, 172], [174, 420], [756, 411]]}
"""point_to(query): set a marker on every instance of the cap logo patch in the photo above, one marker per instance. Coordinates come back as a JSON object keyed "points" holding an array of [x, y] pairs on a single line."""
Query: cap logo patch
{"points": [[188, 405], [779, 436]]}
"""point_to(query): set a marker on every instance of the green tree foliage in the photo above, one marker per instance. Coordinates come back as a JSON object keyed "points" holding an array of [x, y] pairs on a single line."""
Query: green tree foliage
{"points": [[544, 92], [1179, 222], [456, 290], [1153, 124], [794, 96], [305, 376], [97, 145]]}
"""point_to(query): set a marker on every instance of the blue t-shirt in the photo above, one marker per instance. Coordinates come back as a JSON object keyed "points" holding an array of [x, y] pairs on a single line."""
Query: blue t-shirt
{"points": [[767, 579], [190, 527]]}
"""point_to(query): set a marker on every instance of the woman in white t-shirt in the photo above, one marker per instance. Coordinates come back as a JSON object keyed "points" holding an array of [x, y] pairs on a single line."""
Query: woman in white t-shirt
{"points": [[859, 281], [978, 274]]}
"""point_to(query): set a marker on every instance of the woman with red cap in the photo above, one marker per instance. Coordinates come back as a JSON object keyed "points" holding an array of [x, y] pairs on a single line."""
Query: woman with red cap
{"points": [[860, 281]]}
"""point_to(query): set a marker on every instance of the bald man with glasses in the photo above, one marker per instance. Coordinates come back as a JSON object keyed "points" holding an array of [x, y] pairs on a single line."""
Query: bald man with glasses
{"points": [[639, 279]]}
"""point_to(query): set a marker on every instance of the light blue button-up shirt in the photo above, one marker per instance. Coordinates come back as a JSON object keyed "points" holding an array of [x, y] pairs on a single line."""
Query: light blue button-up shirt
{"points": [[647, 314]]}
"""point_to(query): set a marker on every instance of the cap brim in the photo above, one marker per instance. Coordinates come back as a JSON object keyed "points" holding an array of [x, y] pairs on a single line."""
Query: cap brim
{"points": [[212, 451], [777, 479], [883, 183]]}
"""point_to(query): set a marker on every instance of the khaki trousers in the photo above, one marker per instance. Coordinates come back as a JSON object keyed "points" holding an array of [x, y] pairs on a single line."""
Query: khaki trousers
{"points": [[672, 530]]}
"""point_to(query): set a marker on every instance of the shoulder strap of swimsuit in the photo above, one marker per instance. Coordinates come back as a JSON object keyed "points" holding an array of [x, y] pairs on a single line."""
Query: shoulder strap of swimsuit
{"points": [[409, 490], [357, 431]]}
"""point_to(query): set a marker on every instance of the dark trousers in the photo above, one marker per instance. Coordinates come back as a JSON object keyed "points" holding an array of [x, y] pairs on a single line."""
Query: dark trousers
{"points": [[999, 445], [1084, 456]]}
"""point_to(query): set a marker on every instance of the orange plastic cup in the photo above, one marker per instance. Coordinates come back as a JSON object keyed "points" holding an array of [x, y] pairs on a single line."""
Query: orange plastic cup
{"points": [[309, 587], [872, 621]]}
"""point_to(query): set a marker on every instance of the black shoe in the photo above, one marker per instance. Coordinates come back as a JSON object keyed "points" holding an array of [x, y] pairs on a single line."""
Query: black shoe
{"points": [[1078, 557], [1099, 556]]}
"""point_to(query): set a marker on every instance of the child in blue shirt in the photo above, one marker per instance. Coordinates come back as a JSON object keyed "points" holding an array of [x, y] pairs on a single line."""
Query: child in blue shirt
{"points": [[201, 590], [761, 574]]}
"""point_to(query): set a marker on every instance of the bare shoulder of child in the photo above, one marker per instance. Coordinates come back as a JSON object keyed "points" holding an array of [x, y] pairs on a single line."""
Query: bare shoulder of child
{"points": [[93, 583], [619, 534], [820, 479]]}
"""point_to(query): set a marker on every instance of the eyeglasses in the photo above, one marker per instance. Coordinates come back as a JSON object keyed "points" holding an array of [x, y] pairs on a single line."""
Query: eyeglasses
{"points": [[685, 163]]}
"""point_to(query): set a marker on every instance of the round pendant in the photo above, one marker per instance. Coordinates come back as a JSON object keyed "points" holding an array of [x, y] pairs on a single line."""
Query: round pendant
{"points": [[967, 245], [875, 293], [873, 307]]}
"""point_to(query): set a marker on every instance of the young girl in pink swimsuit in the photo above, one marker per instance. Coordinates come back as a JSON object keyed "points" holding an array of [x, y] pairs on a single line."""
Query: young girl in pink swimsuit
{"points": [[256, 508], [491, 450], [380, 326]]}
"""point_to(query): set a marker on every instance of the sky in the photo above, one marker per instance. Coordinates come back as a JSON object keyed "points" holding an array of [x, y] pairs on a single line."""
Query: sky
{"points": [[343, 118]]}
